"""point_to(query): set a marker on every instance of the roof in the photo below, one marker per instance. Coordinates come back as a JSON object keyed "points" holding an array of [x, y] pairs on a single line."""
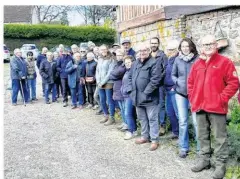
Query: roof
{"points": [[18, 14]]}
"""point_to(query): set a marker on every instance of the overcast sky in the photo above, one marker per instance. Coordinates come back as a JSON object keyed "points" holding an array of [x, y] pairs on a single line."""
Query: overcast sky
{"points": [[75, 18]]}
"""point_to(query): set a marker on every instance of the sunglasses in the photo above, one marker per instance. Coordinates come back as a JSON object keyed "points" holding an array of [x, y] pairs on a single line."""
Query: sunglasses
{"points": [[82, 51]]}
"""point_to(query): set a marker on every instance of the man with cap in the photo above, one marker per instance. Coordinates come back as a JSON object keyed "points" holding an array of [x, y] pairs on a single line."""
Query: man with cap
{"points": [[126, 43]]}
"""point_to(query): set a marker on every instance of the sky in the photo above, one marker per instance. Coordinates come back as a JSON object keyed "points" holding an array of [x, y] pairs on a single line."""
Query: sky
{"points": [[75, 18]]}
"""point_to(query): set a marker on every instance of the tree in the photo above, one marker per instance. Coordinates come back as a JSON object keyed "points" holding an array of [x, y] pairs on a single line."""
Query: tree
{"points": [[50, 13], [94, 14], [64, 19]]}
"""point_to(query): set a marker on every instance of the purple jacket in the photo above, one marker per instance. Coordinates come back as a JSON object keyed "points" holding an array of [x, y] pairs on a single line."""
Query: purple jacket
{"points": [[117, 75]]}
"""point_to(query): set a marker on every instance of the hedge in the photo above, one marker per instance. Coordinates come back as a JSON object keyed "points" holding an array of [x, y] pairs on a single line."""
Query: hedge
{"points": [[52, 35]]}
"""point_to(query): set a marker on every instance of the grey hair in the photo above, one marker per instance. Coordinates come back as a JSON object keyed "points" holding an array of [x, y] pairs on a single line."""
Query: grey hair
{"points": [[90, 54]]}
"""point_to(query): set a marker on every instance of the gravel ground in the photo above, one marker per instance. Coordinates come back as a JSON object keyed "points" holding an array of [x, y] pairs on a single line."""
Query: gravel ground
{"points": [[49, 141]]}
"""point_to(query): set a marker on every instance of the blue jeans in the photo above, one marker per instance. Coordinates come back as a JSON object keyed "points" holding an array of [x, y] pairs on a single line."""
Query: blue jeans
{"points": [[106, 95], [148, 117], [77, 93], [183, 106], [129, 115], [48, 88], [16, 88], [122, 109], [172, 111], [162, 112], [32, 88]]}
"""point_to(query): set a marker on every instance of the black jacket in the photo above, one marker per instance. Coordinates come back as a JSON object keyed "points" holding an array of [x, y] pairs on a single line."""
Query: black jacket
{"points": [[49, 71], [144, 80]]}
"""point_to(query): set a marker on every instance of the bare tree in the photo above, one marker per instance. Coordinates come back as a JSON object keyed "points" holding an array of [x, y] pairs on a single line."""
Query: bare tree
{"points": [[50, 13], [94, 14]]}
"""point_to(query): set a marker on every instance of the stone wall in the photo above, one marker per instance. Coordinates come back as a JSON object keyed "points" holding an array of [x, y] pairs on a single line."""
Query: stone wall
{"points": [[223, 23]]}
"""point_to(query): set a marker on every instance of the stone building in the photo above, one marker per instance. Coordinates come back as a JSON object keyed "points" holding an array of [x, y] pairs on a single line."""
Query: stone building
{"points": [[140, 23]]}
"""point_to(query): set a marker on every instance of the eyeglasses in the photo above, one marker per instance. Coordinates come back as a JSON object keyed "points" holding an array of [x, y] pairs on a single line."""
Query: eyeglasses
{"points": [[82, 51], [209, 45]]}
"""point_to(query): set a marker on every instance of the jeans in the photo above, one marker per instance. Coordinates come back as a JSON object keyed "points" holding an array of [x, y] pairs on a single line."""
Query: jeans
{"points": [[129, 115], [183, 106], [16, 87], [32, 88], [48, 89], [106, 95], [64, 82], [77, 93], [162, 112], [122, 109], [172, 111], [148, 117]]}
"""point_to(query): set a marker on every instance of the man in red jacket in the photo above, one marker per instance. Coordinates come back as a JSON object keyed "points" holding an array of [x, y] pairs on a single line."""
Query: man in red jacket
{"points": [[212, 81]]}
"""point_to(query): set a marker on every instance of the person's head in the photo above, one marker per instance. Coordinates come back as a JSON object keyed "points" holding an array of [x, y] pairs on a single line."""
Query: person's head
{"points": [[187, 46], [96, 51], [144, 50], [128, 60], [119, 54], [74, 48], [126, 43], [116, 46], [44, 50], [104, 50], [208, 45], [172, 48], [55, 55], [91, 45], [17, 52], [49, 56], [30, 55], [154, 44], [83, 52], [90, 56], [77, 57]]}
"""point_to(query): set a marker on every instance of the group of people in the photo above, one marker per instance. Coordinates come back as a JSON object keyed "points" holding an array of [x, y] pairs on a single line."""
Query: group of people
{"points": [[144, 85]]}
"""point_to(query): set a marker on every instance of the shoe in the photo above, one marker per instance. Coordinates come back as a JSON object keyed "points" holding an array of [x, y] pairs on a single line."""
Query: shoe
{"points": [[129, 135], [201, 165], [162, 131], [141, 141], [173, 136], [35, 99], [154, 146], [219, 171], [183, 154], [99, 112], [80, 107], [74, 107], [89, 106], [65, 104], [104, 120], [14, 104], [48, 102], [120, 126], [124, 128], [55, 101], [110, 122], [95, 107]]}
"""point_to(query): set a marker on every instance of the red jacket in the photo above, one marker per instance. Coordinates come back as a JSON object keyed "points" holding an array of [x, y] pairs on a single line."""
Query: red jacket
{"points": [[212, 84]]}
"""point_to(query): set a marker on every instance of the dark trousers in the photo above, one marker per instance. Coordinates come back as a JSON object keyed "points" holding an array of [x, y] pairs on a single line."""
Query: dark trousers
{"points": [[59, 87], [91, 87], [16, 87], [208, 123], [162, 112], [64, 82]]}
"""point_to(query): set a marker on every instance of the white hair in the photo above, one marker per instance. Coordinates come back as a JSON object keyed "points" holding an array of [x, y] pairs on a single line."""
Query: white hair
{"points": [[91, 55], [143, 45], [172, 44], [49, 54], [74, 46]]}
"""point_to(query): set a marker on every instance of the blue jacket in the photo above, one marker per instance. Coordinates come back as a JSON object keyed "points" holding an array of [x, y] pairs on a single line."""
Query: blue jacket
{"points": [[125, 84], [62, 63], [48, 72], [144, 81], [74, 74], [116, 75], [18, 67], [132, 53], [40, 58], [168, 82], [180, 72]]}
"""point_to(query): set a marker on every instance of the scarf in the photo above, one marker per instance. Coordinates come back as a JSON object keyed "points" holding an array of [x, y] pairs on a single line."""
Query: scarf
{"points": [[186, 58]]}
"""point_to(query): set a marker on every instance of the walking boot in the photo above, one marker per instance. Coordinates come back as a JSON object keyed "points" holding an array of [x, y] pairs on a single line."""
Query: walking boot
{"points": [[154, 146], [105, 119], [219, 171], [201, 165], [110, 122], [162, 130]]}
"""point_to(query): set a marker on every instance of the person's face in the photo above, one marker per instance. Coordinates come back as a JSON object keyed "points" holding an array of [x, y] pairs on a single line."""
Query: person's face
{"points": [[56, 55], [89, 58], [49, 57], [208, 46], [96, 51], [119, 56], [30, 56], [185, 48], [74, 49], [172, 52], [154, 45], [128, 63], [77, 57], [144, 53], [126, 46], [103, 51], [19, 54], [83, 53], [115, 47]]}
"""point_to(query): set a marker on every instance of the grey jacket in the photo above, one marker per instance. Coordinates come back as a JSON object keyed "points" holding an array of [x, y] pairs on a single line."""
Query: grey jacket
{"points": [[104, 68], [180, 72], [18, 68]]}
